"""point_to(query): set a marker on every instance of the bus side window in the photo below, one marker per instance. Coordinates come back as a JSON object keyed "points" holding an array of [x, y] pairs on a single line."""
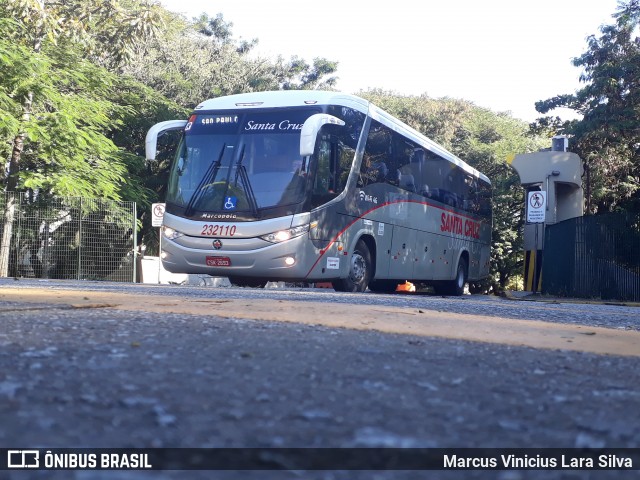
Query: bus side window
{"points": [[470, 201], [411, 172], [375, 167]]}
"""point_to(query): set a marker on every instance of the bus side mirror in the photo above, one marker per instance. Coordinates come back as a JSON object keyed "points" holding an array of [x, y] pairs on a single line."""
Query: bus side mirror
{"points": [[310, 130], [151, 141]]}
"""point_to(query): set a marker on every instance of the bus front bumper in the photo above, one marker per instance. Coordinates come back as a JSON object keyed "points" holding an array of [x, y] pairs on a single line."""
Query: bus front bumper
{"points": [[295, 259]]}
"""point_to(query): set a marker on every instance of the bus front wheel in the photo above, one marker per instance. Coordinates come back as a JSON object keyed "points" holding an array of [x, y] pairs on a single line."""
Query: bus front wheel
{"points": [[360, 271]]}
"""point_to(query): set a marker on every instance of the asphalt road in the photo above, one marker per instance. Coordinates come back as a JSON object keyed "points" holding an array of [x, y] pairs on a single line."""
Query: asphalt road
{"points": [[111, 365]]}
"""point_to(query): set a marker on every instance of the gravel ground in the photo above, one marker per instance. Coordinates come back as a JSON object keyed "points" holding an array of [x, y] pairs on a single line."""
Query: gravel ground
{"points": [[115, 378], [546, 309]]}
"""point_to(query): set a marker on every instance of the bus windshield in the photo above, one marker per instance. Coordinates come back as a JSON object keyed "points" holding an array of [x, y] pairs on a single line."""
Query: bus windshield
{"points": [[240, 163]]}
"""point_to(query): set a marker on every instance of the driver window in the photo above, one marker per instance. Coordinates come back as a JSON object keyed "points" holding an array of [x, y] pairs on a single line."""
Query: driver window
{"points": [[333, 161], [322, 181]]}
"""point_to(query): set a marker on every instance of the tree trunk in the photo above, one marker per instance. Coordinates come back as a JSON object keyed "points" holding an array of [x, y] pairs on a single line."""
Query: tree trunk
{"points": [[13, 175], [7, 231], [11, 186]]}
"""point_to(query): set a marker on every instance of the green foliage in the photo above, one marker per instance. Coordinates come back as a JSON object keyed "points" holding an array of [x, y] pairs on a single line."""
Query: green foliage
{"points": [[56, 98], [608, 136], [65, 150], [198, 60], [142, 108], [15, 74], [297, 74], [102, 101], [440, 120], [107, 31], [220, 31]]}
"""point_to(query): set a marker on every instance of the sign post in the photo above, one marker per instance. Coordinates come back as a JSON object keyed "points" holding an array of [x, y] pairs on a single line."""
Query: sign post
{"points": [[536, 213], [157, 214]]}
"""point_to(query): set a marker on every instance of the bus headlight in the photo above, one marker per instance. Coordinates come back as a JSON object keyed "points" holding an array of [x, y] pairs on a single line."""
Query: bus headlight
{"points": [[170, 233], [283, 235]]}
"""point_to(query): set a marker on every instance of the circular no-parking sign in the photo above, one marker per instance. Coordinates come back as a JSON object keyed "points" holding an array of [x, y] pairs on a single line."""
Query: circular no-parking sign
{"points": [[157, 213], [536, 206]]}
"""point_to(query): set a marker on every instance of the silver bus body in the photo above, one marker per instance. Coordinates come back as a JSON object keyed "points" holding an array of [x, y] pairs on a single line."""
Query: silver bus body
{"points": [[341, 219]]}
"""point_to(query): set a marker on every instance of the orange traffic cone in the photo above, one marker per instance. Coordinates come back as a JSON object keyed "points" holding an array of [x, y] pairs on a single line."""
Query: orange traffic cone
{"points": [[406, 287]]}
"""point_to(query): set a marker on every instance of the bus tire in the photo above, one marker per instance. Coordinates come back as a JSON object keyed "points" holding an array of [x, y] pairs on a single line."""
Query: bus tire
{"points": [[247, 282], [360, 271], [455, 287], [383, 286]]}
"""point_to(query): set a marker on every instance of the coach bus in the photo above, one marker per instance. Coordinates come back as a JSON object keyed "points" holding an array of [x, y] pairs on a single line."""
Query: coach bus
{"points": [[311, 186]]}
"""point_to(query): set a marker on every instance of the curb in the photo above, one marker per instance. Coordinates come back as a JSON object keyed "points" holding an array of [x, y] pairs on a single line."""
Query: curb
{"points": [[541, 298]]}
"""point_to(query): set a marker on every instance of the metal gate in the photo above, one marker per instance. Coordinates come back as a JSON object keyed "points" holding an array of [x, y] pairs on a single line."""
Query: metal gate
{"points": [[595, 256], [72, 238]]}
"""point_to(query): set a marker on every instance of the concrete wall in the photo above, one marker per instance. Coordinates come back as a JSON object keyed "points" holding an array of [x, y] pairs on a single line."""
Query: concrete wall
{"points": [[560, 175]]}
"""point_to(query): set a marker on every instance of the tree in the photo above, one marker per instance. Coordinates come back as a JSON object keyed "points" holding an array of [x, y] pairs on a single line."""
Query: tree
{"points": [[485, 141], [56, 100], [299, 75], [220, 30], [607, 137], [198, 60]]}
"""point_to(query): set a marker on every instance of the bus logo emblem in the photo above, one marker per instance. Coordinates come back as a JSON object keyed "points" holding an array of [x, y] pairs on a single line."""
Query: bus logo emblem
{"points": [[365, 197], [217, 244]]}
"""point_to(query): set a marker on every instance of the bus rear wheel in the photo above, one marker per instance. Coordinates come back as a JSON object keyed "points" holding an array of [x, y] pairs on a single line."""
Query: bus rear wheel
{"points": [[454, 287], [360, 271]]}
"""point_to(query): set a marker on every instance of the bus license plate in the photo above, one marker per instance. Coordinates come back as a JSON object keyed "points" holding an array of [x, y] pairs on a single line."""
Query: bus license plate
{"points": [[218, 262]]}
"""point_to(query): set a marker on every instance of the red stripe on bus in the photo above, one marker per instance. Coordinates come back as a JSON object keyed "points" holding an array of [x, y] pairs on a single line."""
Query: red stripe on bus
{"points": [[335, 239]]}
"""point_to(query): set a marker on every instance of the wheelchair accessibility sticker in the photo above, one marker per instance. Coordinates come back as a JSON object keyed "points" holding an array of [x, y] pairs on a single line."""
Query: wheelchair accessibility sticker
{"points": [[230, 203]]}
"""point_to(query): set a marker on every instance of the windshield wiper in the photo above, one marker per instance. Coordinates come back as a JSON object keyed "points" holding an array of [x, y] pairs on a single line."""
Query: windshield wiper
{"points": [[241, 171], [207, 180]]}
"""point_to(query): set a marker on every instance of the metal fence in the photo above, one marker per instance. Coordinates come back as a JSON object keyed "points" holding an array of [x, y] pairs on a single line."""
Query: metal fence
{"points": [[71, 238], [595, 256]]}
